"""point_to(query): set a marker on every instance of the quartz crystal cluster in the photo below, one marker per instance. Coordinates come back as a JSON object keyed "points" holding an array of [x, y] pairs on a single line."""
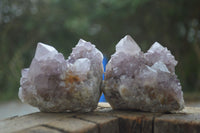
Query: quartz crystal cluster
{"points": [[54, 84], [142, 81]]}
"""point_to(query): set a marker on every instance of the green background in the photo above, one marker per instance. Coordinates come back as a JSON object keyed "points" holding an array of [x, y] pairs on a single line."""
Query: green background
{"points": [[61, 23]]}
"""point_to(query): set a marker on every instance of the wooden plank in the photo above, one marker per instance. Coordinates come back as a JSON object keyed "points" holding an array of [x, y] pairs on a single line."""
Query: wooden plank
{"points": [[39, 129], [106, 120], [73, 125], [135, 122], [31, 120], [186, 121], [129, 121], [106, 124]]}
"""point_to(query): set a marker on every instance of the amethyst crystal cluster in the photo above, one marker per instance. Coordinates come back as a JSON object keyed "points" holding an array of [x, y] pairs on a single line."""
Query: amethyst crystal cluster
{"points": [[54, 84], [142, 81], [133, 80]]}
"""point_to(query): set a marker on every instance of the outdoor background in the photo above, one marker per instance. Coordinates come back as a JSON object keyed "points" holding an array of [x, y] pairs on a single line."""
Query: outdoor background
{"points": [[61, 23]]}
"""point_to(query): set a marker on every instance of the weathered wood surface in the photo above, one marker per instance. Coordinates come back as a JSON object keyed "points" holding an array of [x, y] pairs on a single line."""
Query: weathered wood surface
{"points": [[105, 120]]}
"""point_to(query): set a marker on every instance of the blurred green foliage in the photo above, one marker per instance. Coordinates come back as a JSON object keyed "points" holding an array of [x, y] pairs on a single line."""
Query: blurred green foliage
{"points": [[60, 23]]}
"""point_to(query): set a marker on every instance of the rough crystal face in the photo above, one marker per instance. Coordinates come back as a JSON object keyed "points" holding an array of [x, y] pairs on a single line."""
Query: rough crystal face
{"points": [[159, 53], [142, 81], [54, 84]]}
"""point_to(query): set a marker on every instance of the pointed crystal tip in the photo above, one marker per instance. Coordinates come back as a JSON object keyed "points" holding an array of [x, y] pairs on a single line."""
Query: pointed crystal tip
{"points": [[81, 41], [155, 47], [43, 50], [128, 45]]}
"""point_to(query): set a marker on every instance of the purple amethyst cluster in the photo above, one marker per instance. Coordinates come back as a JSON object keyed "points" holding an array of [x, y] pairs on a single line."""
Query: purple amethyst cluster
{"points": [[133, 79], [54, 84], [142, 81]]}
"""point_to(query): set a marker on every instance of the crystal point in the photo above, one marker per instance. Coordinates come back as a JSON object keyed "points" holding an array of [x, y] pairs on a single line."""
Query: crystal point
{"points": [[159, 53], [156, 46], [44, 50], [128, 45]]}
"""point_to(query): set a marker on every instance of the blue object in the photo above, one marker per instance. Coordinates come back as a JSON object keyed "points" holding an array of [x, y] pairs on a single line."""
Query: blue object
{"points": [[102, 98]]}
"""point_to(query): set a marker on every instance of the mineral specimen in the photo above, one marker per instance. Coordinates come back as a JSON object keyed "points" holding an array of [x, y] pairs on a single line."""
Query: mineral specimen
{"points": [[142, 81], [54, 84]]}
